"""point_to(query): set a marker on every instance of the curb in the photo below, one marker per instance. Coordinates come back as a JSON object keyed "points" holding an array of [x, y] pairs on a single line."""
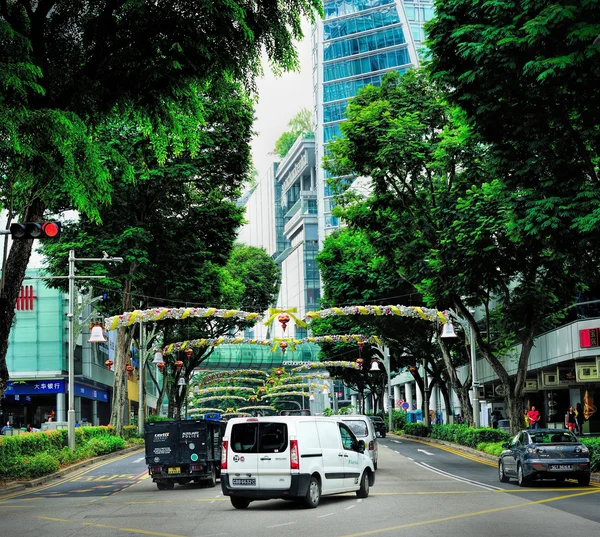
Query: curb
{"points": [[17, 486], [595, 477]]}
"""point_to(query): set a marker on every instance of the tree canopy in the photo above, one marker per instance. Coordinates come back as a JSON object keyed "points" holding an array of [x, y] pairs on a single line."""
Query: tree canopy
{"points": [[300, 124]]}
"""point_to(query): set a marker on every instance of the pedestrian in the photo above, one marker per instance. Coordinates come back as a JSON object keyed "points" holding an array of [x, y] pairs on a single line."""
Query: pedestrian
{"points": [[570, 421], [29, 428], [526, 418], [579, 418], [6, 427], [534, 418]]}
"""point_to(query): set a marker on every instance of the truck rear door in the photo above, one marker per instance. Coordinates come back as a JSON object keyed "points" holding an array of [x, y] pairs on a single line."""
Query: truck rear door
{"points": [[242, 456], [160, 440], [192, 442]]}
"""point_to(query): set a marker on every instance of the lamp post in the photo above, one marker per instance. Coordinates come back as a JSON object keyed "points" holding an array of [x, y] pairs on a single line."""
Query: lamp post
{"points": [[71, 344], [448, 333], [141, 408]]}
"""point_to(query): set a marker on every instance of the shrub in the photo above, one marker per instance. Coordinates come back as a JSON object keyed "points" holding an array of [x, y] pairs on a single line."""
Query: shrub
{"points": [[12, 468], [468, 436], [130, 431], [416, 429], [446, 432], [398, 419], [593, 445], [101, 445], [40, 464], [493, 448], [155, 417]]}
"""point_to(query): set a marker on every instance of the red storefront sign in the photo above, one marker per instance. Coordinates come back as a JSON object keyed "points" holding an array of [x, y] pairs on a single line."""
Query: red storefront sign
{"points": [[589, 337]]}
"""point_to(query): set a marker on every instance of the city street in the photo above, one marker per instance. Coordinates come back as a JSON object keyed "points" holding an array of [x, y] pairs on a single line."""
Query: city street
{"points": [[421, 489]]}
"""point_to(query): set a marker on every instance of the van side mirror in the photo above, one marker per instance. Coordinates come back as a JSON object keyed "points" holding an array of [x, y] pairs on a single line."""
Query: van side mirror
{"points": [[361, 446]]}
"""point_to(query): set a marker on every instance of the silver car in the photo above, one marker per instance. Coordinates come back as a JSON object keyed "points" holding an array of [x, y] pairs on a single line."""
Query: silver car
{"points": [[363, 429], [544, 454]]}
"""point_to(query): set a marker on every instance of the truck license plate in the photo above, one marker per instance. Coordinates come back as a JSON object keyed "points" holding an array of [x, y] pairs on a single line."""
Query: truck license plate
{"points": [[174, 470], [560, 467], [244, 482]]}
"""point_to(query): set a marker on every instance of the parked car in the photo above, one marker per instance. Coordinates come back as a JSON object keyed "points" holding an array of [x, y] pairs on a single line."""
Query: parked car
{"points": [[363, 429], [544, 454], [292, 457], [379, 424]]}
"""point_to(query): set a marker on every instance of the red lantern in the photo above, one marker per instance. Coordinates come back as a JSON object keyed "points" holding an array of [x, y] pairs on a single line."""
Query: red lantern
{"points": [[130, 369], [279, 372], [178, 365], [283, 346], [271, 381], [188, 353], [284, 319], [412, 368], [108, 364], [261, 390], [161, 366], [361, 344], [359, 361]]}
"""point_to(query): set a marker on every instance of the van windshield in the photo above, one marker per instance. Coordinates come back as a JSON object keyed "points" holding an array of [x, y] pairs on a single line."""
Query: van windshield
{"points": [[358, 427], [259, 438]]}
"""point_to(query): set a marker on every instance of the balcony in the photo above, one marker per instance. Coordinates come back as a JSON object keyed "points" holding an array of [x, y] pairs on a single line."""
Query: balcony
{"points": [[304, 210]]}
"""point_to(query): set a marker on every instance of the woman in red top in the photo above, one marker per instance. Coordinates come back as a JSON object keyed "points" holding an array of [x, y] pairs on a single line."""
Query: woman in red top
{"points": [[534, 418], [570, 421]]}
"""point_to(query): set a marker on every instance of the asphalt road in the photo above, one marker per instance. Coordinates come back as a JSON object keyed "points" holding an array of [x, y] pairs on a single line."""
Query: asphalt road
{"points": [[420, 491]]}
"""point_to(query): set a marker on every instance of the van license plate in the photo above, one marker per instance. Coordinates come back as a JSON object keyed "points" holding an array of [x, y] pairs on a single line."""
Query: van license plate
{"points": [[244, 482], [174, 470], [560, 467]]}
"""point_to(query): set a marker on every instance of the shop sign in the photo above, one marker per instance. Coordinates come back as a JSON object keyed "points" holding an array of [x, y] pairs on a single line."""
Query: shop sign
{"points": [[35, 387], [589, 337]]}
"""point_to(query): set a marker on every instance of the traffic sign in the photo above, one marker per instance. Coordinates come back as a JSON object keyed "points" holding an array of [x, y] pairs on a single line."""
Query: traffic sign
{"points": [[405, 405]]}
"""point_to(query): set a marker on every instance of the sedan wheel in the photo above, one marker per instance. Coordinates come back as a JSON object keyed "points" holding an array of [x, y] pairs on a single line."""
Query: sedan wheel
{"points": [[521, 479], [502, 476]]}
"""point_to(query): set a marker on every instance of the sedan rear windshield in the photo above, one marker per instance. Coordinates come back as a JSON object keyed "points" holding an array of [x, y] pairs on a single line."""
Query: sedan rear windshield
{"points": [[553, 438], [259, 437]]}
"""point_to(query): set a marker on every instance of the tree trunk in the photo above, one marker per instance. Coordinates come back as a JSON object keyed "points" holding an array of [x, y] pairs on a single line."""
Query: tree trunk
{"points": [[14, 273], [119, 416], [461, 390], [446, 396]]}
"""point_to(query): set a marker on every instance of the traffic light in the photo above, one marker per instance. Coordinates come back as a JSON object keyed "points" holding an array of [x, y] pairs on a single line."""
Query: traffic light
{"points": [[35, 230]]}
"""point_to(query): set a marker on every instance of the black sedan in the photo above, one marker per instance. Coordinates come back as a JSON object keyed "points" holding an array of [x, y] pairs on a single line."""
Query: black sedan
{"points": [[544, 454], [379, 424]]}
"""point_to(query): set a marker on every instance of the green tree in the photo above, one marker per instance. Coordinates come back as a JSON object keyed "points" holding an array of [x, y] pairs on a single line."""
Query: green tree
{"points": [[354, 272], [441, 211], [300, 124], [66, 66]]}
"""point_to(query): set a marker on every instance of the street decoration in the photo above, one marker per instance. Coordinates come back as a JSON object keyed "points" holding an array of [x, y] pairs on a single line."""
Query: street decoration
{"points": [[161, 314], [324, 365], [220, 389], [230, 374], [415, 312], [286, 315], [220, 398], [289, 394], [255, 407]]}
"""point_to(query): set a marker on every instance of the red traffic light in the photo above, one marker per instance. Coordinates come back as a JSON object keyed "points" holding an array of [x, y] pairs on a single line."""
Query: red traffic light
{"points": [[35, 230]]}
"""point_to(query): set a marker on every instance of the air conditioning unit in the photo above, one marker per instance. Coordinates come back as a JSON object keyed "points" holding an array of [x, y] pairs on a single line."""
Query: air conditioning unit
{"points": [[531, 385], [587, 373], [550, 379]]}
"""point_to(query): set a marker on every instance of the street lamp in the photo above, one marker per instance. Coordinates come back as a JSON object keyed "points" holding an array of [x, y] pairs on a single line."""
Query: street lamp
{"points": [[448, 333], [71, 348]]}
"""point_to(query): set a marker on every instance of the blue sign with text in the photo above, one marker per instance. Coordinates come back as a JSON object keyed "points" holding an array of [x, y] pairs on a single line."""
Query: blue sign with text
{"points": [[35, 387]]}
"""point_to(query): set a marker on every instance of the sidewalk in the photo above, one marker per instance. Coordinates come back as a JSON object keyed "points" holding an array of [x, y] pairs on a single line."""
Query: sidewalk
{"points": [[9, 487], [595, 477]]}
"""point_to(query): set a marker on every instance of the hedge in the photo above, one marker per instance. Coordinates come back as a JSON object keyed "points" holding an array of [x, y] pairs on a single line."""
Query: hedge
{"points": [[416, 429], [36, 454]]}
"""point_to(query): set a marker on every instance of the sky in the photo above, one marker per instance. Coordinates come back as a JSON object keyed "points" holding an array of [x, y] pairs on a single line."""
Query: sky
{"points": [[280, 99]]}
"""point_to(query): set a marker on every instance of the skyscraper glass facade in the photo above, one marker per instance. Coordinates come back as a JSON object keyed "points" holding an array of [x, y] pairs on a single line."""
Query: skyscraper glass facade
{"points": [[356, 44]]}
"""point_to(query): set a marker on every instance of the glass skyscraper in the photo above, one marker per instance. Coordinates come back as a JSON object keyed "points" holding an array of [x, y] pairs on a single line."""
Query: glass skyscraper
{"points": [[355, 45]]}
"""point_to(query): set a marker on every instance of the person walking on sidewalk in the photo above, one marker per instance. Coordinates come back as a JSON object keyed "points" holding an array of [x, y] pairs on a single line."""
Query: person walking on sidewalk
{"points": [[534, 418], [570, 420]]}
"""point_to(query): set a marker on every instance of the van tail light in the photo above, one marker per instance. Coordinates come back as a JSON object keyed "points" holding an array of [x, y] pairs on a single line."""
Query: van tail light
{"points": [[224, 455], [371, 445], [294, 455]]}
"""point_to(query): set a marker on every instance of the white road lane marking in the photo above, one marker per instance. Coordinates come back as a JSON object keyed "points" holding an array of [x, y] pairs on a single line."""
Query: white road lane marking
{"points": [[139, 460], [350, 507], [396, 441], [284, 524], [323, 516], [359, 500], [410, 459], [457, 477], [426, 452]]}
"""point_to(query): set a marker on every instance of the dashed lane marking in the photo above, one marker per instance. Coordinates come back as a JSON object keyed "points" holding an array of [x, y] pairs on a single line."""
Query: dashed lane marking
{"points": [[457, 477], [282, 524], [323, 516]]}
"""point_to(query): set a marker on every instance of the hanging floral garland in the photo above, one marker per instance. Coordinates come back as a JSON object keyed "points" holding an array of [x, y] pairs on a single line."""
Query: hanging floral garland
{"points": [[221, 398], [217, 389], [323, 365], [212, 377], [346, 338], [215, 342], [288, 394], [415, 312], [286, 387], [205, 410], [160, 314], [292, 379], [256, 407], [236, 415]]}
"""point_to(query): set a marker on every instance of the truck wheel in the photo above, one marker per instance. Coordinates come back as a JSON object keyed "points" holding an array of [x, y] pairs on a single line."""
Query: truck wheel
{"points": [[313, 494], [363, 491], [239, 503], [169, 485], [161, 486], [211, 481]]}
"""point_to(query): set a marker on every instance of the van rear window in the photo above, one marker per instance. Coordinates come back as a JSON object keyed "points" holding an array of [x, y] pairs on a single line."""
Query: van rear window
{"points": [[358, 427], [259, 438]]}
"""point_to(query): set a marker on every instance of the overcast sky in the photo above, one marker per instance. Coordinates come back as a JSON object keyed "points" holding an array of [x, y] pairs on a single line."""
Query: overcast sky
{"points": [[280, 98]]}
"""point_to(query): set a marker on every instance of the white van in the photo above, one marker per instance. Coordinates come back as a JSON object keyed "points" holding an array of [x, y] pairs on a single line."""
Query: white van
{"points": [[363, 429], [292, 457]]}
